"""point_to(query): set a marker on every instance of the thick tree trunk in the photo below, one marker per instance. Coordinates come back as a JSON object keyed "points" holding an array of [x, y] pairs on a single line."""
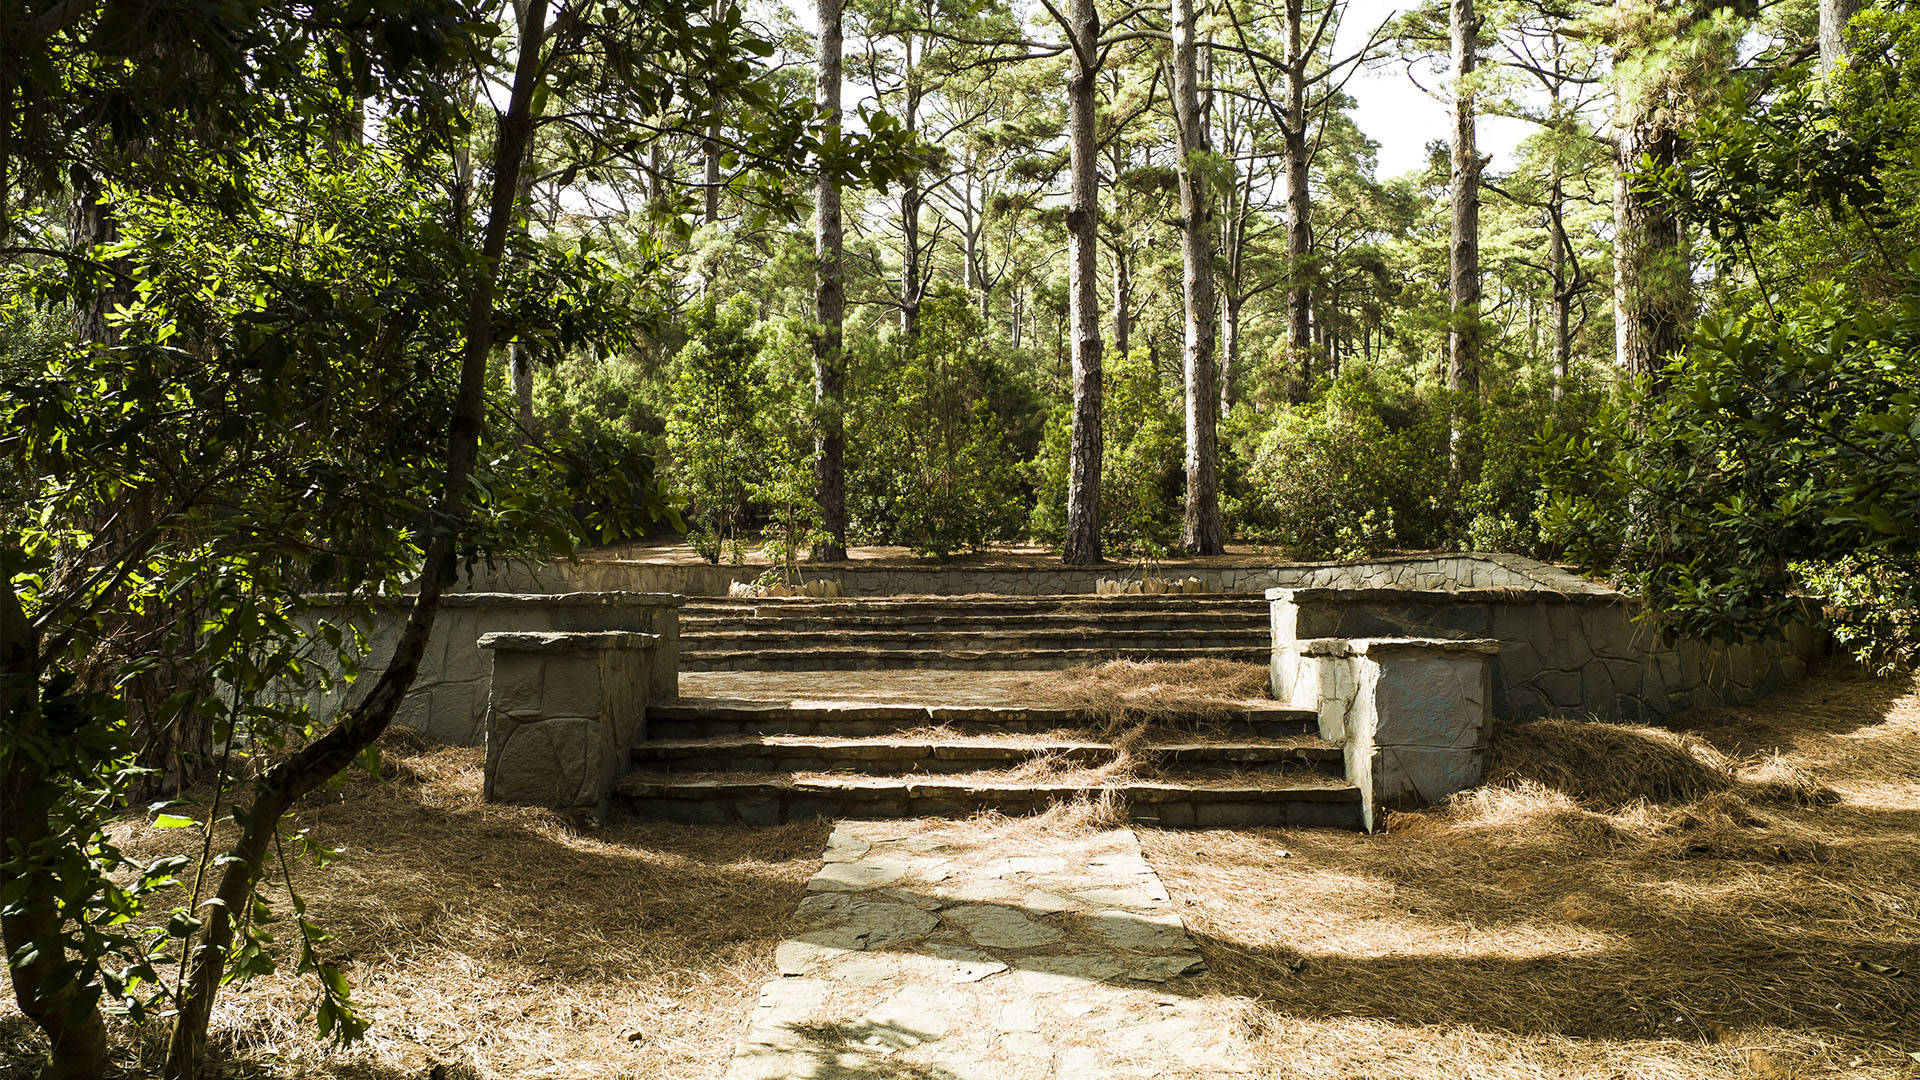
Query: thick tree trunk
{"points": [[830, 304], [1835, 42], [710, 147], [1299, 230], [1463, 262], [31, 924], [1229, 349], [1201, 533], [1083, 544], [1651, 285], [1563, 289], [275, 792]]}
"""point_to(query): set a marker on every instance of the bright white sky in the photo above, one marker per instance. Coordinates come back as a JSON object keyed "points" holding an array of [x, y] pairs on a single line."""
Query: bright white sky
{"points": [[1401, 117], [1392, 110]]}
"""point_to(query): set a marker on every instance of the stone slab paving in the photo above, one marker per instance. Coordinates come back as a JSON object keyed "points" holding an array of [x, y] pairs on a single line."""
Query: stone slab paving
{"points": [[928, 950]]}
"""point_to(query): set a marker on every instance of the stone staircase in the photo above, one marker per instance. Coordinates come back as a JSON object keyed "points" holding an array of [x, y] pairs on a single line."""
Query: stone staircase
{"points": [[982, 633], [715, 761]]}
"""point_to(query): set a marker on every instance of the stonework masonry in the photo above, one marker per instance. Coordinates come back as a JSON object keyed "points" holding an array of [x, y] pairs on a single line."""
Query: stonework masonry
{"points": [[1413, 716], [1561, 653], [1463, 571], [563, 713], [449, 697]]}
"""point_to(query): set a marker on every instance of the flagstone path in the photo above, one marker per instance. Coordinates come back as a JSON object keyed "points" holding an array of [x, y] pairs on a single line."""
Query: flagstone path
{"points": [[929, 950]]}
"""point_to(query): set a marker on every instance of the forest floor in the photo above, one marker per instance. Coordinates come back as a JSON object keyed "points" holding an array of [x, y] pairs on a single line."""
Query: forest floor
{"points": [[1734, 895]]}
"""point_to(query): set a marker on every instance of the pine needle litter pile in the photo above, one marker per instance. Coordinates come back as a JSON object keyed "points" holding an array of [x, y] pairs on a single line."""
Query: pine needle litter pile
{"points": [[1736, 895], [1184, 693], [490, 941]]}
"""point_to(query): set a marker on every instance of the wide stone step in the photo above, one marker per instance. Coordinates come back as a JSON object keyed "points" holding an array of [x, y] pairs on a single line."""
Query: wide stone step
{"points": [[1298, 801], [919, 622], [775, 607], [900, 755], [854, 658], [984, 638], [694, 718]]}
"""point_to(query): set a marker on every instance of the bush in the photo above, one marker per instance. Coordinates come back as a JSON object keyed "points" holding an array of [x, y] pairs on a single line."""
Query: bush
{"points": [[713, 435], [1141, 472], [933, 467]]}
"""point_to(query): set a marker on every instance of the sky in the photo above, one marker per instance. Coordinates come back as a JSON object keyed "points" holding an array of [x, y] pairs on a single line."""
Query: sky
{"points": [[1401, 117]]}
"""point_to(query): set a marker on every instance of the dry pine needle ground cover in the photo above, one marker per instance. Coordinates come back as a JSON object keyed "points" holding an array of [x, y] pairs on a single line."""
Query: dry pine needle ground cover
{"points": [[494, 941], [1737, 899], [1737, 896]]}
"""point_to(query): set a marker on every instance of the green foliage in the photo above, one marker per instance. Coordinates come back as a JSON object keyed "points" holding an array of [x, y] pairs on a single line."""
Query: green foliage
{"points": [[1781, 452], [1141, 474], [714, 438], [931, 438]]}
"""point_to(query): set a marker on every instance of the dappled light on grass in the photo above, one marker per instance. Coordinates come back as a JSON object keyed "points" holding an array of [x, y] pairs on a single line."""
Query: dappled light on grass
{"points": [[1736, 912]]}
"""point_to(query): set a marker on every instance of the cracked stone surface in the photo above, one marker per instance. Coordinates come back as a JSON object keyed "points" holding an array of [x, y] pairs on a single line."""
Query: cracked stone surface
{"points": [[931, 950]]}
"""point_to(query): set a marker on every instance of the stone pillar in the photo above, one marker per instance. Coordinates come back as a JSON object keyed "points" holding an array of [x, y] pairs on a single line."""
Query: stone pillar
{"points": [[563, 712], [1412, 715]]}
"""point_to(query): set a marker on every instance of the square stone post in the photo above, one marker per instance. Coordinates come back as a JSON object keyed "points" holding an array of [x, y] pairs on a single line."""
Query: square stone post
{"points": [[1413, 716], [564, 710]]}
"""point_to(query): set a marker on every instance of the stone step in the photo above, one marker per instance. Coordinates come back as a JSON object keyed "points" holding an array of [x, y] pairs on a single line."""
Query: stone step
{"points": [[1309, 800], [695, 718], [899, 755], [853, 658], [937, 620], [742, 638], [773, 607]]}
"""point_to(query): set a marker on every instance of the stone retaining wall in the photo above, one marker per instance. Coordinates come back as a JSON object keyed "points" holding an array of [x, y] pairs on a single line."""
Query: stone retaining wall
{"points": [[1463, 571], [1568, 653], [449, 697]]}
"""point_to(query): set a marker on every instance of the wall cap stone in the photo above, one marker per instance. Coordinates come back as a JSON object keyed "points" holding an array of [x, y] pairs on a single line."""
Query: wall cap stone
{"points": [[609, 598], [1513, 595], [566, 640], [1378, 645]]}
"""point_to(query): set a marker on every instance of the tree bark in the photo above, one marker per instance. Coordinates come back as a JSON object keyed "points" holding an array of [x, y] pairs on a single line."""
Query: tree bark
{"points": [[1122, 301], [1650, 273], [43, 986], [1463, 263], [1835, 40], [1299, 231], [710, 146], [830, 305], [1201, 533], [1563, 289], [275, 792], [1083, 542]]}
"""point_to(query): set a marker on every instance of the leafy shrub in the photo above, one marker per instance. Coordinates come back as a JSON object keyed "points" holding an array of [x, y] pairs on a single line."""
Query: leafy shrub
{"points": [[714, 439], [933, 465], [1141, 472]]}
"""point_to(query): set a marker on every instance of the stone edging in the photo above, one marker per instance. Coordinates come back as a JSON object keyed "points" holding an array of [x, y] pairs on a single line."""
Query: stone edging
{"points": [[566, 640]]}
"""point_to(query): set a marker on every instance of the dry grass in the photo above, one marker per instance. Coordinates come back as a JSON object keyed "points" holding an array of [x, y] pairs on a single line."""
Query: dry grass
{"points": [[495, 941], [1740, 899]]}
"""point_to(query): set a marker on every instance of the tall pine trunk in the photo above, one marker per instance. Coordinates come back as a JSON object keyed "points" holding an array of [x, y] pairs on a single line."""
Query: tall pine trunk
{"points": [[1463, 261], [1083, 544], [1650, 272], [1201, 533], [1299, 229], [830, 304], [1835, 44]]}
